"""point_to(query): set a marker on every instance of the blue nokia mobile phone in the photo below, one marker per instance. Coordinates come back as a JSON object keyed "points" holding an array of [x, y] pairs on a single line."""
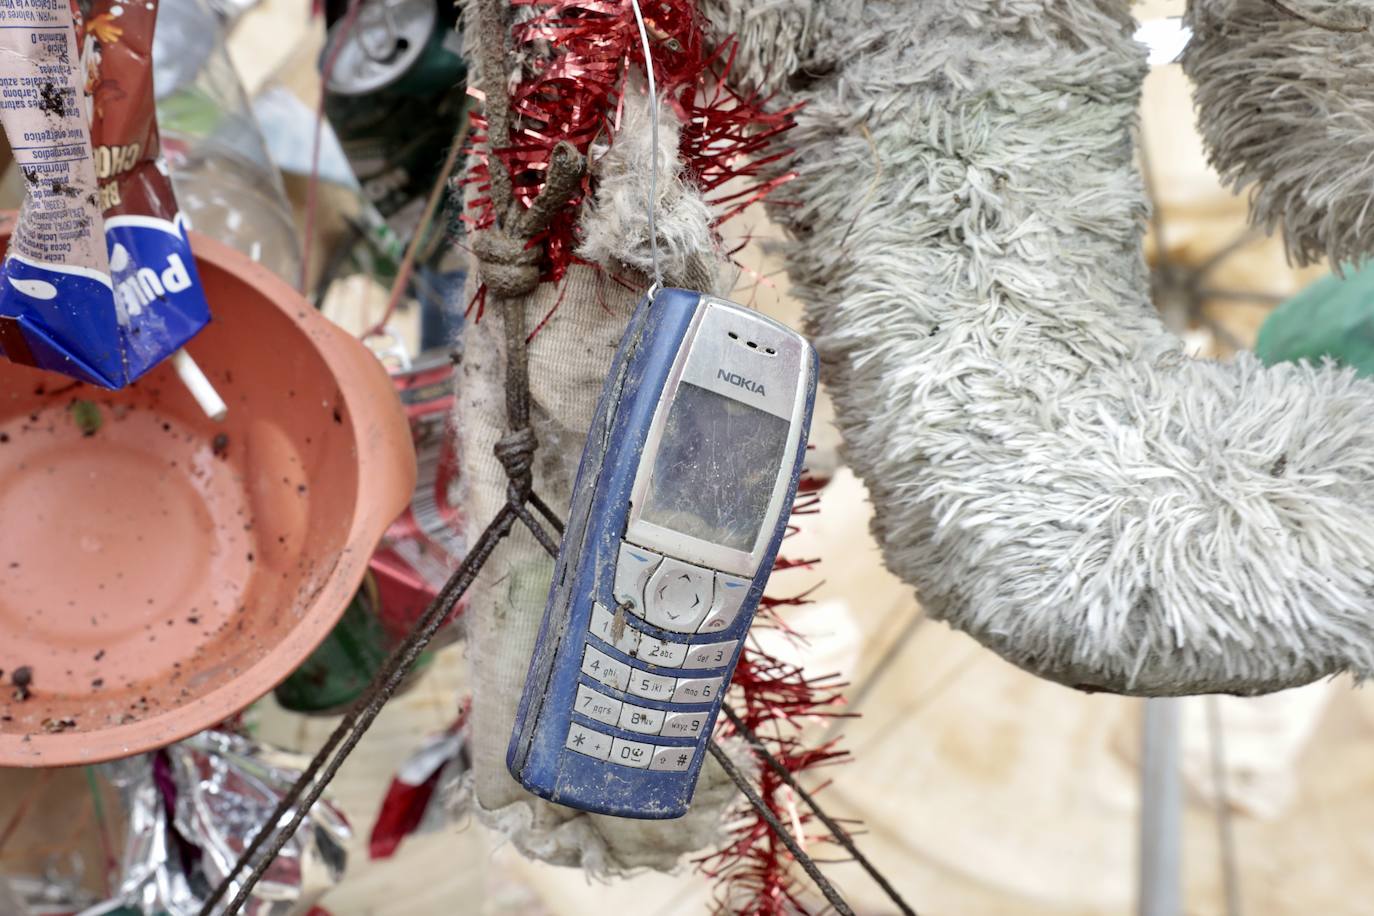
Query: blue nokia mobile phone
{"points": [[681, 499]]}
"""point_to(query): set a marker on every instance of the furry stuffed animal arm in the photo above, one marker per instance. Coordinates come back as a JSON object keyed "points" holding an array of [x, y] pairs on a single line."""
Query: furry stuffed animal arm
{"points": [[1046, 465]]}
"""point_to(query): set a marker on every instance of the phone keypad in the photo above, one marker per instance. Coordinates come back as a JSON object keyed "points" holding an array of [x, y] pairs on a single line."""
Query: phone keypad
{"points": [[638, 754], [658, 652], [672, 595], [610, 711]]}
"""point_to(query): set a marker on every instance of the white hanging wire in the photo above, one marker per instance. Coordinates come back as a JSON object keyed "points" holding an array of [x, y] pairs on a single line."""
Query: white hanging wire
{"points": [[653, 137]]}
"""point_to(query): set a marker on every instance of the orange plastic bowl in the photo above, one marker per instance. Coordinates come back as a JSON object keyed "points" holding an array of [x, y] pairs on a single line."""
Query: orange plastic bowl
{"points": [[160, 573]]}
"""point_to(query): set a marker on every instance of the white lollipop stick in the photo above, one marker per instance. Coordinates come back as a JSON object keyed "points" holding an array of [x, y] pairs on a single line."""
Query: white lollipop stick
{"points": [[200, 387]]}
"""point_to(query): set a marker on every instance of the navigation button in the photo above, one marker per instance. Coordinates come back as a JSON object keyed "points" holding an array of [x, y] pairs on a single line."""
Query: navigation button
{"points": [[729, 595], [711, 654], [588, 741], [678, 596], [632, 571], [603, 627], [639, 719], [631, 753], [672, 759], [596, 706]]}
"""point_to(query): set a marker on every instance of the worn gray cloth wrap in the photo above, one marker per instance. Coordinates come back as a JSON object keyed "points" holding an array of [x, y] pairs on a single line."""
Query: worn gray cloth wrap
{"points": [[1050, 470], [568, 358]]}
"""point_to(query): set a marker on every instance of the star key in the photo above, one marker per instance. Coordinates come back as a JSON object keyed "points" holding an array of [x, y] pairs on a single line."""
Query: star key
{"points": [[583, 740]]}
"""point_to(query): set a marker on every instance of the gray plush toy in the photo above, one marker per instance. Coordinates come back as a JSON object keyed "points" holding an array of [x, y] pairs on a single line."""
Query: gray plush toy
{"points": [[1047, 466], [1285, 99]]}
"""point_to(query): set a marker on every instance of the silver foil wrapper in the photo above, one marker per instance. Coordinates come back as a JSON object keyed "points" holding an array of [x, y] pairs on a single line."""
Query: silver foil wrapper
{"points": [[56, 892], [191, 810]]}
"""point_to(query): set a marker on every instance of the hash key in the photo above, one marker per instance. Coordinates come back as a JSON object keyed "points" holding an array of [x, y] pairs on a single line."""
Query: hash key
{"points": [[672, 759]]}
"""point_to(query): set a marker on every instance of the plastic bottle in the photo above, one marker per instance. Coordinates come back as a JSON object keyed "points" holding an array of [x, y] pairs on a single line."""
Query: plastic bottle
{"points": [[225, 179]]}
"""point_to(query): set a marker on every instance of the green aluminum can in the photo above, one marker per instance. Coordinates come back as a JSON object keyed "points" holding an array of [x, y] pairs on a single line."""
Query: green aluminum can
{"points": [[394, 98], [342, 667]]}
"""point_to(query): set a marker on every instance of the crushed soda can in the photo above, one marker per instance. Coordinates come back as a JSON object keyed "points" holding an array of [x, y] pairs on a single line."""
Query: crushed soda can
{"points": [[395, 97], [191, 810], [422, 548], [98, 282], [420, 798]]}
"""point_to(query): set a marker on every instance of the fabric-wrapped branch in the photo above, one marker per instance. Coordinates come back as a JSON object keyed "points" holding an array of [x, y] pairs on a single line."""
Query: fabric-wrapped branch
{"points": [[576, 327]]}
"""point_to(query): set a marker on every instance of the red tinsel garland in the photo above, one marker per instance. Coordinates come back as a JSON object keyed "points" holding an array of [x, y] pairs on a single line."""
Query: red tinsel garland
{"points": [[572, 88], [728, 136], [775, 700]]}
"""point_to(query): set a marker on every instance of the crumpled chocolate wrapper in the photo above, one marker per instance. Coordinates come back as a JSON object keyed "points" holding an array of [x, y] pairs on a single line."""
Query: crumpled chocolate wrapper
{"points": [[429, 791], [192, 808]]}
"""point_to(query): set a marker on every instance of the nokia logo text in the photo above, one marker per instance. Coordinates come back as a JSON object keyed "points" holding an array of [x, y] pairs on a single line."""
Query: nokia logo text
{"points": [[741, 382]]}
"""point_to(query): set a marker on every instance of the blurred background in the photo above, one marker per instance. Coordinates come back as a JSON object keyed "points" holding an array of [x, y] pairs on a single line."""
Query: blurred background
{"points": [[977, 788]]}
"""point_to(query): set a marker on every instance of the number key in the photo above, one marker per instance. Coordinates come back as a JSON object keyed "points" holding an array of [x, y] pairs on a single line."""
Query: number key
{"points": [[604, 626], [631, 753], [657, 652], [599, 665], [711, 654], [596, 706], [672, 759], [696, 690], [651, 686], [588, 741], [683, 724], [639, 719]]}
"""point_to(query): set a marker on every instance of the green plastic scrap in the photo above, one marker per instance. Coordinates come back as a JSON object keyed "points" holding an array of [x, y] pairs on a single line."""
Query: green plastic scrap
{"points": [[1333, 317]]}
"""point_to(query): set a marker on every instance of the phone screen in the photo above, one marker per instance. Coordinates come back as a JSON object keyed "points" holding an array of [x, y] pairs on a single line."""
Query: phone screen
{"points": [[717, 465]]}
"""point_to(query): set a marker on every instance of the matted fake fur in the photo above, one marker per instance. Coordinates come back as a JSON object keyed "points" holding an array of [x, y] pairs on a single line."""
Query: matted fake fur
{"points": [[1286, 108], [1046, 465], [615, 223]]}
